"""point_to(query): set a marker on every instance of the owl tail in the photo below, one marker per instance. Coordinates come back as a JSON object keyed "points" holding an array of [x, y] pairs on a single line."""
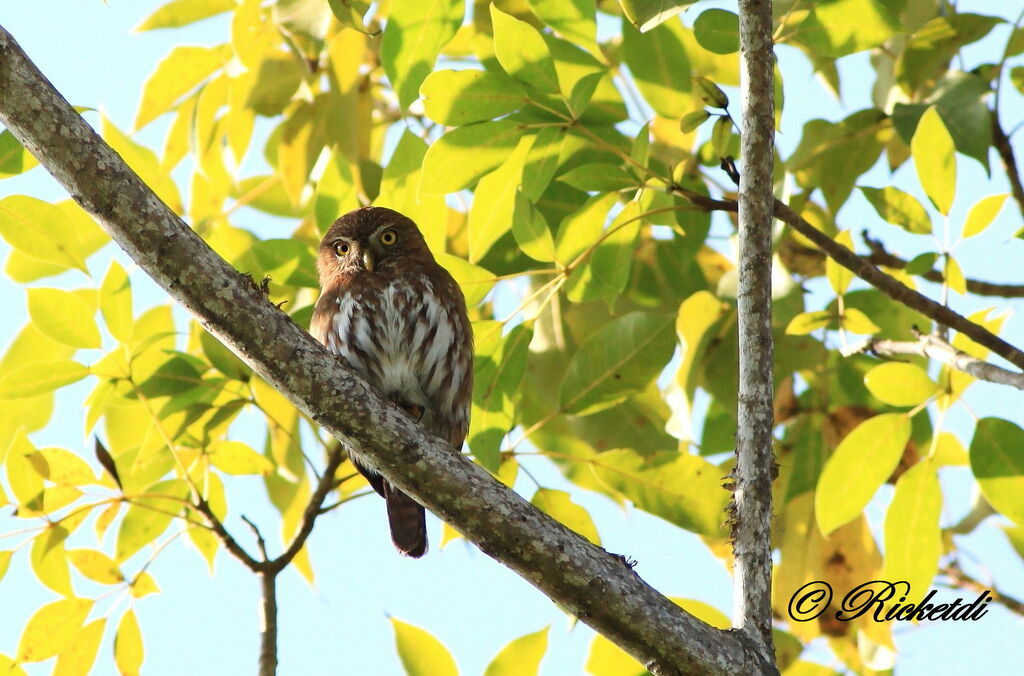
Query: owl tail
{"points": [[408, 522]]}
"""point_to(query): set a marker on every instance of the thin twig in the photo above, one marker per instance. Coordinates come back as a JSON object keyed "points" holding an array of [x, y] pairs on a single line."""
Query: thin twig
{"points": [[934, 347], [260, 542], [880, 256], [1002, 145], [961, 579], [873, 276]]}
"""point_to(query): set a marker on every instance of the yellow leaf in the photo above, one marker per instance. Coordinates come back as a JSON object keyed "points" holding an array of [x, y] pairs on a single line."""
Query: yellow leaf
{"points": [[79, 655], [857, 322], [805, 322], [900, 384], [5, 562], [448, 534], [128, 651], [421, 653], [116, 302], [949, 451], [64, 317], [41, 231], [104, 520], [838, 276], [520, 657], [234, 457], [96, 566], [912, 537], [955, 276], [49, 562], [607, 659], [183, 69], [559, 506], [935, 159], [143, 585], [67, 469], [33, 380], [983, 213], [51, 628]]}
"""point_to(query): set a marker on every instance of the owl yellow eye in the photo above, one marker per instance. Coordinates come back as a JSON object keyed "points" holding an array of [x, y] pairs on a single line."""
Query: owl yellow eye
{"points": [[341, 248], [388, 237]]}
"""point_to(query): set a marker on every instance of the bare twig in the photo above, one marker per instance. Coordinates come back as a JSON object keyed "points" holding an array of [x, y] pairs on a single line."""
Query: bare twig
{"points": [[1002, 145], [881, 256], [260, 542], [959, 578], [873, 276], [934, 347], [751, 511]]}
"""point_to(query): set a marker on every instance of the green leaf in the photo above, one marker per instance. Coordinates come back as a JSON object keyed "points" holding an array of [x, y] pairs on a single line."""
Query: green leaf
{"points": [[691, 121], [829, 30], [997, 460], [648, 14], [64, 317], [31, 380], [521, 656], [421, 653], [718, 31], [860, 464], [522, 52], [805, 322], [531, 231], [128, 651], [559, 506], [235, 457], [721, 134], [350, 13], [51, 628], [41, 231], [179, 13], [935, 160], [833, 156], [182, 70], [684, 489], [415, 33], [460, 97], [494, 201], [618, 360], [605, 274], [899, 208], [498, 366], [983, 213], [14, 158], [581, 229], [574, 20], [913, 539], [463, 155], [542, 161], [146, 518], [116, 302], [176, 375], [660, 66], [710, 93], [598, 176], [900, 384]]}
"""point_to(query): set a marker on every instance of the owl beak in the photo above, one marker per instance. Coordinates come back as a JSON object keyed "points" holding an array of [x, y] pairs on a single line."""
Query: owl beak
{"points": [[368, 260]]}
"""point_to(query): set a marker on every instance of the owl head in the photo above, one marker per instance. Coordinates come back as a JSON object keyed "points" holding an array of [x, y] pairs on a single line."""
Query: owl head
{"points": [[371, 240]]}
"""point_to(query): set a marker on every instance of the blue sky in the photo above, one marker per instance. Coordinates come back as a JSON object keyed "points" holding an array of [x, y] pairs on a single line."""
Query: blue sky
{"points": [[207, 625]]}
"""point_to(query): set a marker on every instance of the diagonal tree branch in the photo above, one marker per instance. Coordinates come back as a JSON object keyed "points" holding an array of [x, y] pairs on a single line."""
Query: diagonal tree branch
{"points": [[586, 580]]}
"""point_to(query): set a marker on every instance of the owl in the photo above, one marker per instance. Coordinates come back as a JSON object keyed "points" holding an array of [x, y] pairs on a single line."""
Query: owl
{"points": [[398, 318]]}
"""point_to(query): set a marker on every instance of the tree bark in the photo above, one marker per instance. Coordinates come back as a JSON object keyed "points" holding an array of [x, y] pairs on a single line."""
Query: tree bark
{"points": [[586, 580], [752, 502]]}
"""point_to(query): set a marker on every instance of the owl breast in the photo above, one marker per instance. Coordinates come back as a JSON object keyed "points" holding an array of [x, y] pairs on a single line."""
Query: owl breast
{"points": [[403, 340]]}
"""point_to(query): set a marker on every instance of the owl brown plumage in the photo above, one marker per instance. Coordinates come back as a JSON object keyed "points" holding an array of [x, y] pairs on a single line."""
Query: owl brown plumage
{"points": [[399, 319]]}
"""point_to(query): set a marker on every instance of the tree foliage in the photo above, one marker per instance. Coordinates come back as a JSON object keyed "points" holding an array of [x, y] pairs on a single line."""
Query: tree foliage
{"points": [[573, 169]]}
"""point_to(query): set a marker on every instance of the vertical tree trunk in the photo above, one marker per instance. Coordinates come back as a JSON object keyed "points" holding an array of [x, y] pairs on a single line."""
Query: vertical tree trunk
{"points": [[755, 462]]}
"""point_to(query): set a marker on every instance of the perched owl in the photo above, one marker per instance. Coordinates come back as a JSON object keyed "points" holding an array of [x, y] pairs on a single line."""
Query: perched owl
{"points": [[399, 319]]}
